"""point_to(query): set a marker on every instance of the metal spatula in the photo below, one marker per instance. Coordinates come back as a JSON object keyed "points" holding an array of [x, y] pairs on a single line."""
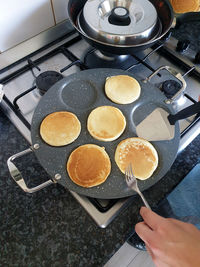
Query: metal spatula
{"points": [[159, 125]]}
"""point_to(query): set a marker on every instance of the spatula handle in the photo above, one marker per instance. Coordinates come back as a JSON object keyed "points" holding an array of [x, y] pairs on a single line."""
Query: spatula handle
{"points": [[184, 113]]}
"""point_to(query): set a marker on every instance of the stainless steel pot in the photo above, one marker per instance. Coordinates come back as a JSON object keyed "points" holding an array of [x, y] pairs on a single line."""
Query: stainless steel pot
{"points": [[121, 27], [120, 23]]}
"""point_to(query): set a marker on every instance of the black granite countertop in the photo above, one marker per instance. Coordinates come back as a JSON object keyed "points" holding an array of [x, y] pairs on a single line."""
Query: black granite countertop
{"points": [[49, 227]]}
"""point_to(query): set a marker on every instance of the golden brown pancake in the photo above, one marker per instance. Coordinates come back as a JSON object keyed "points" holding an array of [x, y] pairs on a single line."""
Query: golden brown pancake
{"points": [[88, 165], [140, 153], [122, 89], [182, 6], [60, 128], [106, 123]]}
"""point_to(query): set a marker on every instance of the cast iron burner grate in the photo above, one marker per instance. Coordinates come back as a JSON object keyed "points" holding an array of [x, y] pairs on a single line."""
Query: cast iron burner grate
{"points": [[46, 79], [96, 59]]}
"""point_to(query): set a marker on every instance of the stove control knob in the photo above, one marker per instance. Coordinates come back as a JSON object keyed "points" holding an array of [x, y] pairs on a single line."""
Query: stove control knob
{"points": [[197, 58], [182, 46]]}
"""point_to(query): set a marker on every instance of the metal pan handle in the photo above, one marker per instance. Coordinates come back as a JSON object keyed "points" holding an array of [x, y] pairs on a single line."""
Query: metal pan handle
{"points": [[17, 176], [177, 75]]}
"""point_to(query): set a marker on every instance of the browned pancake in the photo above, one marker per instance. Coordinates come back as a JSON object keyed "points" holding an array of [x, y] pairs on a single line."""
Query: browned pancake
{"points": [[60, 128], [122, 89], [106, 123], [140, 153], [88, 165], [183, 6]]}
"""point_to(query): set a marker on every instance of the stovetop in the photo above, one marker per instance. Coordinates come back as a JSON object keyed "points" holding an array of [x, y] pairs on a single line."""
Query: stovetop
{"points": [[67, 54]]}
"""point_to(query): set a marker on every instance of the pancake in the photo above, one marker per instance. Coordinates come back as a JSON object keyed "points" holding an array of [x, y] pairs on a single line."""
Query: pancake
{"points": [[183, 6], [106, 123], [88, 165], [140, 153], [60, 128], [122, 89]]}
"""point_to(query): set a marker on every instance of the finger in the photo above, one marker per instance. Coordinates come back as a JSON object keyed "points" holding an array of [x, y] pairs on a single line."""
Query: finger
{"points": [[158, 261], [150, 251], [152, 219], [144, 232]]}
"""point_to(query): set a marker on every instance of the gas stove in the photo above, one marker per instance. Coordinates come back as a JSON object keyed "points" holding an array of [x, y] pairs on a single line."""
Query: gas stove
{"points": [[28, 70]]}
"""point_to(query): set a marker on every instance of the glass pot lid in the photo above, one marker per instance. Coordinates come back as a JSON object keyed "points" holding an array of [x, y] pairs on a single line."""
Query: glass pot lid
{"points": [[119, 21]]}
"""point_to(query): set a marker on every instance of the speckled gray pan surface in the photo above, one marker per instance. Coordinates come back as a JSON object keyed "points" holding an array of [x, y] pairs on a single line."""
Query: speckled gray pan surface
{"points": [[80, 93]]}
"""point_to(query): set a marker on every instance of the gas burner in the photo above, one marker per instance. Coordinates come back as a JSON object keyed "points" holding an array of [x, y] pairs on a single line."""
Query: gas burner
{"points": [[98, 59], [170, 88], [46, 79]]}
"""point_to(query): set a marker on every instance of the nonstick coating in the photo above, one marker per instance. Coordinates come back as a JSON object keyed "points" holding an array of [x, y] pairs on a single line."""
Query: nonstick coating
{"points": [[80, 93]]}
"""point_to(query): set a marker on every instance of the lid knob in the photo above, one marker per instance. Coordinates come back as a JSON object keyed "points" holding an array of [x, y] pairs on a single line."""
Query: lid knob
{"points": [[119, 16]]}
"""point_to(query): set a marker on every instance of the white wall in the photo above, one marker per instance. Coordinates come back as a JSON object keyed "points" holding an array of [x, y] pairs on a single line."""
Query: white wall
{"points": [[23, 19]]}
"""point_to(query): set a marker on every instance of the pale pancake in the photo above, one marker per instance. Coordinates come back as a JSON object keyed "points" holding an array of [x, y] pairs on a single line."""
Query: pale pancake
{"points": [[140, 153], [106, 123], [122, 89], [88, 165], [183, 6], [60, 128]]}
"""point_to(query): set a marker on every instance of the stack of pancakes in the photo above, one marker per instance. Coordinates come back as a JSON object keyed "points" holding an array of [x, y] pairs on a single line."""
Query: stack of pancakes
{"points": [[89, 164]]}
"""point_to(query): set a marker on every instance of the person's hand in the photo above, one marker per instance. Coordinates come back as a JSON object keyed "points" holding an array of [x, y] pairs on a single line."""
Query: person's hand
{"points": [[170, 242]]}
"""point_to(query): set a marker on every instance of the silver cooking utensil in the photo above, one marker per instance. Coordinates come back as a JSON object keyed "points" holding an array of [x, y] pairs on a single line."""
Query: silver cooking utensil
{"points": [[123, 11], [120, 23], [132, 183], [160, 125]]}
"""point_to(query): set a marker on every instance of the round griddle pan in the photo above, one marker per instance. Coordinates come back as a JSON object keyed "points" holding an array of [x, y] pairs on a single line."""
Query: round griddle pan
{"points": [[80, 93]]}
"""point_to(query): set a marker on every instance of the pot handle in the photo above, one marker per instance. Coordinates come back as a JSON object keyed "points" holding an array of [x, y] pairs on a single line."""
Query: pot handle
{"points": [[17, 176], [176, 74]]}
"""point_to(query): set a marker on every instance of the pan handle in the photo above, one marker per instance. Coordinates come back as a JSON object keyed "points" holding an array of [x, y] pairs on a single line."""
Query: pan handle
{"points": [[1, 92], [186, 17], [17, 176], [177, 75]]}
